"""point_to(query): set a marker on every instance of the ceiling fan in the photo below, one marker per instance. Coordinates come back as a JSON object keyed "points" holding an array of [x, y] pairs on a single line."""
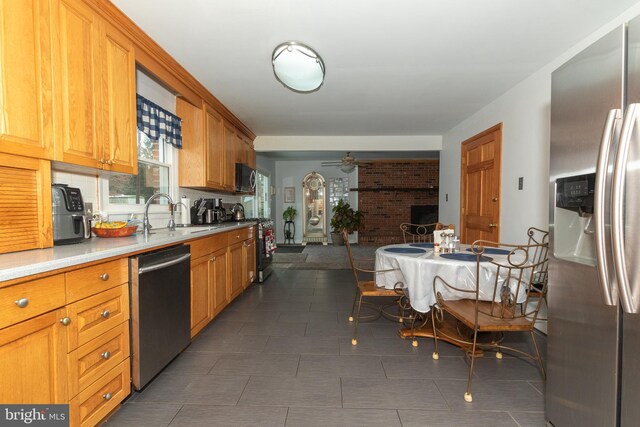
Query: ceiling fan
{"points": [[347, 164]]}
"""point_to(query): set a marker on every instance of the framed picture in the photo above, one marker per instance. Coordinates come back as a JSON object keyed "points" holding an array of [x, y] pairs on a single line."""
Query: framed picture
{"points": [[289, 194]]}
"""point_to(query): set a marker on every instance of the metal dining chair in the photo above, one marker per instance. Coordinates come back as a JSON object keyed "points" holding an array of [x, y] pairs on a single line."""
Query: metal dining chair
{"points": [[514, 279], [538, 236], [368, 289], [419, 233]]}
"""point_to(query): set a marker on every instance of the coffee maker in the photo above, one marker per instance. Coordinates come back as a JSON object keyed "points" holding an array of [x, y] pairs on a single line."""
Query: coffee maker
{"points": [[69, 220]]}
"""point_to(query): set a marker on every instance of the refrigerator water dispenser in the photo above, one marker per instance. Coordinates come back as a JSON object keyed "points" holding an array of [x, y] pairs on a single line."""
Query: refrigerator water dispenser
{"points": [[574, 225]]}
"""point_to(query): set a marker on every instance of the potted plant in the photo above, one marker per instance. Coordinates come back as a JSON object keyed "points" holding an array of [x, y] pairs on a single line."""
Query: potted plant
{"points": [[289, 214], [344, 218]]}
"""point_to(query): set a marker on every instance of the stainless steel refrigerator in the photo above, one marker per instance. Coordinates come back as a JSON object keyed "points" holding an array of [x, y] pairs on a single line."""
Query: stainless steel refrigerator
{"points": [[593, 346]]}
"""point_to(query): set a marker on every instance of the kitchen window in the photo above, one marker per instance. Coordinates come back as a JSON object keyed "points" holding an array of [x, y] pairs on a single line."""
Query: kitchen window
{"points": [[156, 173]]}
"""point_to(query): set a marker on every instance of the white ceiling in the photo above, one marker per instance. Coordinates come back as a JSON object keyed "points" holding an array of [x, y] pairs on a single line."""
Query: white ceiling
{"points": [[408, 67]]}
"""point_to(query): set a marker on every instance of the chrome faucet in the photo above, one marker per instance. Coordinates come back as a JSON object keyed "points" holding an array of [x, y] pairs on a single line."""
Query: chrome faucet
{"points": [[146, 226]]}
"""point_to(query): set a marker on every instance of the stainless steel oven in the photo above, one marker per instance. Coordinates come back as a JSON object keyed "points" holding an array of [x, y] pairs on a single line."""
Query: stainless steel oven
{"points": [[265, 246]]}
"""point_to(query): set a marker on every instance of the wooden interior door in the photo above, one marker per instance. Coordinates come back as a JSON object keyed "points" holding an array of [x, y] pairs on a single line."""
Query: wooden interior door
{"points": [[480, 186]]}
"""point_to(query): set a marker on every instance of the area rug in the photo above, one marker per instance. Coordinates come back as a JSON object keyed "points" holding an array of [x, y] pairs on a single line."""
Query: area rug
{"points": [[289, 258], [324, 257], [289, 249]]}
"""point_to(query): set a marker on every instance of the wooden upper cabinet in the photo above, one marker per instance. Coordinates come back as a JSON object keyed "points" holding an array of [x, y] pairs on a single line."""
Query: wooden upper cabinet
{"points": [[95, 77], [77, 62], [214, 141], [240, 148], [230, 156], [26, 105], [202, 158], [119, 103]]}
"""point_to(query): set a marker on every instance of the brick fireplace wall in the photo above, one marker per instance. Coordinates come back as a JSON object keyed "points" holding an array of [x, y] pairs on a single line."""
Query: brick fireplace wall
{"points": [[386, 192]]}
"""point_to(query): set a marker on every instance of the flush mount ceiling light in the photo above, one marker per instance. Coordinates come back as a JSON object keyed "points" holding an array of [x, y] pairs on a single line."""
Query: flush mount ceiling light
{"points": [[298, 67]]}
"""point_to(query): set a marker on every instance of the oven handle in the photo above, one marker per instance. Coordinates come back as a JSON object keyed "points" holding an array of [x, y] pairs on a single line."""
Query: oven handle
{"points": [[162, 265]]}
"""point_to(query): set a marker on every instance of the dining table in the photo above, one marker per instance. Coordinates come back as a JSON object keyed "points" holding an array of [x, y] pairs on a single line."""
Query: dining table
{"points": [[416, 265]]}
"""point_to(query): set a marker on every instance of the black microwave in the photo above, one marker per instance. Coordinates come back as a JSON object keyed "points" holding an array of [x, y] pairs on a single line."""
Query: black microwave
{"points": [[245, 178]]}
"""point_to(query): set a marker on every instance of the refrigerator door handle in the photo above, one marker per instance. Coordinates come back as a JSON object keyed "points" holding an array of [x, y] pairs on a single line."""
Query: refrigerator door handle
{"points": [[613, 118], [617, 208]]}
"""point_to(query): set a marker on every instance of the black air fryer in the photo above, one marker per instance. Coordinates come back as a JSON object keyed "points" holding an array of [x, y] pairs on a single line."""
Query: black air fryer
{"points": [[68, 215]]}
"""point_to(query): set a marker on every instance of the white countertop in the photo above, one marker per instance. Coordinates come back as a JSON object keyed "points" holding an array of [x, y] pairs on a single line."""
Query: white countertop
{"points": [[26, 263]]}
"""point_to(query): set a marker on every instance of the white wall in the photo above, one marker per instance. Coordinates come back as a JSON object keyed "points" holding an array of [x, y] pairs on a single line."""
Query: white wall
{"points": [[524, 110], [291, 174], [349, 143]]}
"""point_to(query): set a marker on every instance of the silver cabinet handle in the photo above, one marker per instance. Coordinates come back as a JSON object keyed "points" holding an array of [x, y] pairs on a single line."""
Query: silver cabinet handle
{"points": [[104, 276], [22, 302], [613, 119], [105, 355], [617, 209], [65, 321], [105, 314], [107, 396]]}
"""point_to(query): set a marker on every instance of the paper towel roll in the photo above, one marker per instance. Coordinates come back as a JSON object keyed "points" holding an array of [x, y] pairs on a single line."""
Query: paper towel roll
{"points": [[185, 212]]}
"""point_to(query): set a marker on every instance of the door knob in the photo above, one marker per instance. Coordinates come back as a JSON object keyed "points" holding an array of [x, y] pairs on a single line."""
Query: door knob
{"points": [[493, 225]]}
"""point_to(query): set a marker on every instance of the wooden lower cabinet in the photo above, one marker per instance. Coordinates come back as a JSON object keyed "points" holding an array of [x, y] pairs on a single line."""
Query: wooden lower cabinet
{"points": [[235, 273], [95, 402], [208, 281], [75, 353], [218, 279], [201, 294], [249, 262], [33, 360]]}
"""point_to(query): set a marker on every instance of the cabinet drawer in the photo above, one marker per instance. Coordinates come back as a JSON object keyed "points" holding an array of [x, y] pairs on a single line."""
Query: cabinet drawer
{"points": [[96, 401], [207, 245], [95, 315], [91, 280], [97, 357], [240, 234], [30, 299]]}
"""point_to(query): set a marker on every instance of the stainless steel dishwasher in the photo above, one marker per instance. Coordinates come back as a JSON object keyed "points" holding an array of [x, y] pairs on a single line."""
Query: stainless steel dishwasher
{"points": [[160, 310]]}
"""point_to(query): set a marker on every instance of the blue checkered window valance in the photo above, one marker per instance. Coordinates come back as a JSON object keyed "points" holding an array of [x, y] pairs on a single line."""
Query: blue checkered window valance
{"points": [[157, 122]]}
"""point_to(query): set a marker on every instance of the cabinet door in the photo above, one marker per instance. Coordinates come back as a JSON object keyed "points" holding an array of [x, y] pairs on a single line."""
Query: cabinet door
{"points": [[214, 141], [201, 295], [33, 360], [120, 149], [218, 279], [240, 149], [251, 156], [235, 274], [230, 157], [26, 105], [77, 65], [249, 262]]}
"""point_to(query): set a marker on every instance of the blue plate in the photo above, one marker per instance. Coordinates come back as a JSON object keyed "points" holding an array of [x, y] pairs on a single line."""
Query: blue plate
{"points": [[422, 245], [405, 250], [494, 251], [459, 256]]}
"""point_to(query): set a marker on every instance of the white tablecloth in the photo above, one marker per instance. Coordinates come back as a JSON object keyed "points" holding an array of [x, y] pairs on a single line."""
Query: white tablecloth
{"points": [[418, 270]]}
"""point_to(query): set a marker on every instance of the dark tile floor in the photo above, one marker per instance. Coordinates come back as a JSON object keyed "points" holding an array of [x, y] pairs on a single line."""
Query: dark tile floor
{"points": [[281, 355]]}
